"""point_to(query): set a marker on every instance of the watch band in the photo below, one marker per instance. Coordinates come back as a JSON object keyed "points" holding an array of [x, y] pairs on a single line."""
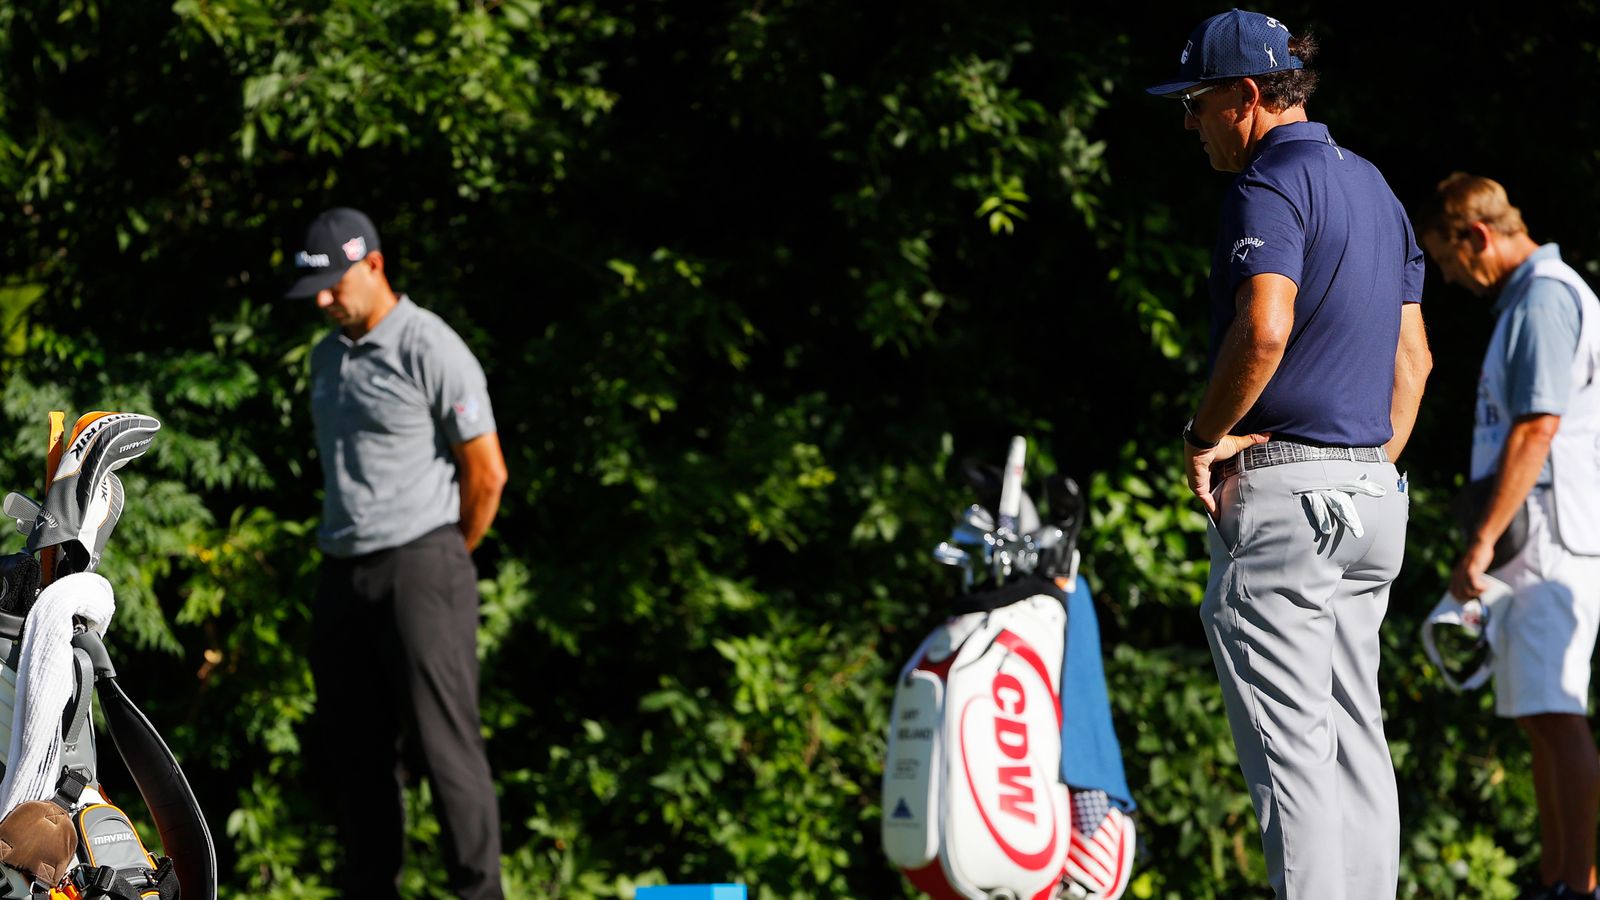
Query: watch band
{"points": [[1195, 440]]}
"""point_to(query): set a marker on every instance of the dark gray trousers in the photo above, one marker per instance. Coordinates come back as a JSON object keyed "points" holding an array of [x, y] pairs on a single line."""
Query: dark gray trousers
{"points": [[394, 654], [1292, 616]]}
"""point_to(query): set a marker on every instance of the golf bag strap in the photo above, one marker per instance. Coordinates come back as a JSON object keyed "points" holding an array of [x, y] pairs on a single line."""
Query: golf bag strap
{"points": [[1005, 595], [70, 788], [105, 883], [82, 695], [166, 793]]}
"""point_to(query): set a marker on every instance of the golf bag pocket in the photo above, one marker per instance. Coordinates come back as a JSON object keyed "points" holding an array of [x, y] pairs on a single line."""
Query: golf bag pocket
{"points": [[973, 805], [114, 859]]}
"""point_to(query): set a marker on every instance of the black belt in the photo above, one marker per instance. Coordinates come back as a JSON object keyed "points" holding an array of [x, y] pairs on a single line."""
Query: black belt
{"points": [[1276, 453]]}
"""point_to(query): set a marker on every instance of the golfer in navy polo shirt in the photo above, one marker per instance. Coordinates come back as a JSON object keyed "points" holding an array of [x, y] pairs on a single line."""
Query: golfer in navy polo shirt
{"points": [[1318, 359]]}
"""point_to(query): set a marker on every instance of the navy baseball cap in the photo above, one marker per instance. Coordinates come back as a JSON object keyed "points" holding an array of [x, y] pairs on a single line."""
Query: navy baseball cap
{"points": [[1230, 45], [335, 241]]}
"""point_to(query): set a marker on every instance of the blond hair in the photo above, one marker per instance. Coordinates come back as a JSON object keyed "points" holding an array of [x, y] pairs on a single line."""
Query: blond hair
{"points": [[1463, 199]]}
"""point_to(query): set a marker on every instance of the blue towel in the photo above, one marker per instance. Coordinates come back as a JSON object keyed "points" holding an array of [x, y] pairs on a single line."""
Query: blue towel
{"points": [[693, 892], [1091, 756]]}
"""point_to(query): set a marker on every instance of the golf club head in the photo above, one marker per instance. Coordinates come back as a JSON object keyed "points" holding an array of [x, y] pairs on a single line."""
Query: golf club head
{"points": [[958, 558], [986, 481], [978, 518], [1067, 507], [22, 508], [1047, 537], [967, 536], [85, 499]]}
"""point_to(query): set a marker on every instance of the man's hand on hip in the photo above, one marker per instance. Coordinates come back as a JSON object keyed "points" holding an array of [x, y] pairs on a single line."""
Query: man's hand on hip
{"points": [[1197, 463]]}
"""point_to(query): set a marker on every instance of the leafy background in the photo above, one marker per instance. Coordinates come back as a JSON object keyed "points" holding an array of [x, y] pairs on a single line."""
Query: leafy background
{"points": [[748, 278]]}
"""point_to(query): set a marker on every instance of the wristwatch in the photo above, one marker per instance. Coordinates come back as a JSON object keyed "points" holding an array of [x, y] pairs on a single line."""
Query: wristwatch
{"points": [[1195, 440]]}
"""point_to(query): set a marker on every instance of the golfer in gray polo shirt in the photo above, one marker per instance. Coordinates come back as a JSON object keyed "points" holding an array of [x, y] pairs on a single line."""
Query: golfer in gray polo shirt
{"points": [[412, 474]]}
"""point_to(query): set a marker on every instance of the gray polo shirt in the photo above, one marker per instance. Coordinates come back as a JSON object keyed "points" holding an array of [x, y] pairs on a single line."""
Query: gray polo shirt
{"points": [[387, 410]]}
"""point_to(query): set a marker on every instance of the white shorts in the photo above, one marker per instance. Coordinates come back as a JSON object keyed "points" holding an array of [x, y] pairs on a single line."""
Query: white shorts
{"points": [[1546, 635]]}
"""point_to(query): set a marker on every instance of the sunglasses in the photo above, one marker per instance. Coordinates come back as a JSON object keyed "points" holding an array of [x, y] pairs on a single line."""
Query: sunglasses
{"points": [[1187, 99]]}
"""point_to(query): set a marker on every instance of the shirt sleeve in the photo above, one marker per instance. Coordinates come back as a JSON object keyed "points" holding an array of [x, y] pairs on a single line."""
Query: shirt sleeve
{"points": [[1542, 339], [1262, 232], [458, 392], [1411, 283]]}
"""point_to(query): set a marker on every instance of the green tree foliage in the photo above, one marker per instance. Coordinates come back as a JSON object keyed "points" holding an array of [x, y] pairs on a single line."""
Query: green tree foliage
{"points": [[748, 279]]}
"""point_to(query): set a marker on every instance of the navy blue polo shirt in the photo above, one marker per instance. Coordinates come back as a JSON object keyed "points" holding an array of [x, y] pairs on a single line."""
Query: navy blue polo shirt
{"points": [[1323, 217]]}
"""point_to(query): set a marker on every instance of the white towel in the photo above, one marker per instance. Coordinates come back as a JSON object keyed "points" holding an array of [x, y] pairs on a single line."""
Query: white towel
{"points": [[44, 684]]}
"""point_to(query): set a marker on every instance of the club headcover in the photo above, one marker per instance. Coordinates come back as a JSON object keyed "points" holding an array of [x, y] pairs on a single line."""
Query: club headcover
{"points": [[1459, 637], [84, 499]]}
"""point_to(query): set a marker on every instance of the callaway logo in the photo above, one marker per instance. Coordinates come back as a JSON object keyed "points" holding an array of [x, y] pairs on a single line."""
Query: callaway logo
{"points": [[1242, 247], [1187, 46], [103, 839], [304, 260], [132, 444]]}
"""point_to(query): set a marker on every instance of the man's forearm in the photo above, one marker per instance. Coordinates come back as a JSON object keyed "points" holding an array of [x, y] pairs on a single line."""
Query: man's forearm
{"points": [[1245, 364], [1250, 353], [1527, 448], [1412, 363], [483, 476], [479, 504]]}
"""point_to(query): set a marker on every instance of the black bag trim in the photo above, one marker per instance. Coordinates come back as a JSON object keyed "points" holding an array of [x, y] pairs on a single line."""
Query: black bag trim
{"points": [[1468, 508], [1015, 592]]}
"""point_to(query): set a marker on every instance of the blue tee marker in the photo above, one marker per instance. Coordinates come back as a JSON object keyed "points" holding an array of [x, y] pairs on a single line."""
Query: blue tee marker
{"points": [[693, 892]]}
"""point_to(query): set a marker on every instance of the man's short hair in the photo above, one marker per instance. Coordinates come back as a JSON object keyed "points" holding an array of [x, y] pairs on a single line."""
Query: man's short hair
{"points": [[1290, 87], [1463, 199]]}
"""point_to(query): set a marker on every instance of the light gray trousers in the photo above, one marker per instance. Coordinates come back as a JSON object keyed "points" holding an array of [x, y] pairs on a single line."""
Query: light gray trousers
{"points": [[1292, 616]]}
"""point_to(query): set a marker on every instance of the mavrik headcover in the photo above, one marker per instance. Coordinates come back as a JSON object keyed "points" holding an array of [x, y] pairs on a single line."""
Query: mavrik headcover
{"points": [[38, 838], [84, 499]]}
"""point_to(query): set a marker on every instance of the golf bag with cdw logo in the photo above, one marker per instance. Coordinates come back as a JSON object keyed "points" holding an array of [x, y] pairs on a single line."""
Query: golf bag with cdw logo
{"points": [[973, 803], [60, 835]]}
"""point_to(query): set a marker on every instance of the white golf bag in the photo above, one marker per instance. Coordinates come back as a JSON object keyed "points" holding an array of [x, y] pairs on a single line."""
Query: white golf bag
{"points": [[973, 804]]}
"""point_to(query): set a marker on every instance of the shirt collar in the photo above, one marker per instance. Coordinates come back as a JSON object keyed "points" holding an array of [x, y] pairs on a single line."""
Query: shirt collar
{"points": [[1293, 131], [387, 326], [1521, 274]]}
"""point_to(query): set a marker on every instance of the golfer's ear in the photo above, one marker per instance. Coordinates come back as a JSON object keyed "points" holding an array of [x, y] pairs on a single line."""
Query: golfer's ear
{"points": [[1249, 93], [1479, 235], [374, 260]]}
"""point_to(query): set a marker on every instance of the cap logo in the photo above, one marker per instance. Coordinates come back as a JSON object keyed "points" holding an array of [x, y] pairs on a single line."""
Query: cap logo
{"points": [[355, 248], [304, 260], [1271, 59], [1187, 46], [1274, 23]]}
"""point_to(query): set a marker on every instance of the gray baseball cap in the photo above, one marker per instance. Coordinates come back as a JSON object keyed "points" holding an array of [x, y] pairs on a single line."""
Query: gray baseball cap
{"points": [[334, 241]]}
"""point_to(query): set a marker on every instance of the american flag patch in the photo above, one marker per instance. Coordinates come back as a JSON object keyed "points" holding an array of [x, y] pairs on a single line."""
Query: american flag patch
{"points": [[467, 409]]}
